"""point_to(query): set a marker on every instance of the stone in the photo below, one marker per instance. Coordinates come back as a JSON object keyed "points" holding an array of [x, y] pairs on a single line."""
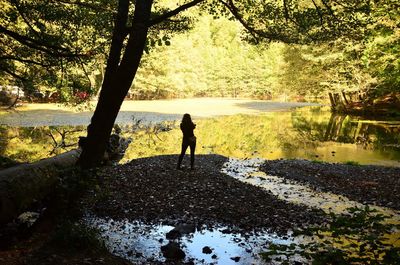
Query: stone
{"points": [[172, 251], [207, 250]]}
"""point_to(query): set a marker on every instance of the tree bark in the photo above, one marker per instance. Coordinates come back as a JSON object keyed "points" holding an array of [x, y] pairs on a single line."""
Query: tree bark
{"points": [[117, 81]]}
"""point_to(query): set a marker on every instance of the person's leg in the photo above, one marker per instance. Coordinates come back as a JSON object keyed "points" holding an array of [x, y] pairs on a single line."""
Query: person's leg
{"points": [[183, 151], [192, 150]]}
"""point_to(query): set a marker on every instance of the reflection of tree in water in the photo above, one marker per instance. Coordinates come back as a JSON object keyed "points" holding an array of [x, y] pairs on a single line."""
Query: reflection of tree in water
{"points": [[150, 129], [346, 129], [308, 127], [285, 134], [27, 144], [59, 137]]}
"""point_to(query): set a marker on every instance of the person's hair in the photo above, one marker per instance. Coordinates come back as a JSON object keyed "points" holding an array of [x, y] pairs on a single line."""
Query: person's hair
{"points": [[186, 119]]}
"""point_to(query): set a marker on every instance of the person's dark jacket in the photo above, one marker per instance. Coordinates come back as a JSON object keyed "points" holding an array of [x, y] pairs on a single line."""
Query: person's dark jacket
{"points": [[187, 130]]}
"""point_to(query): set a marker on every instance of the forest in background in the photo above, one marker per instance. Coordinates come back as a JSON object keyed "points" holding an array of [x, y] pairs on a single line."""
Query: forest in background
{"points": [[213, 59]]}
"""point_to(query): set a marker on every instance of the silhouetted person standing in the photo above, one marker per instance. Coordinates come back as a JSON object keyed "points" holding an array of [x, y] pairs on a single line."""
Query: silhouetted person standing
{"points": [[187, 127]]}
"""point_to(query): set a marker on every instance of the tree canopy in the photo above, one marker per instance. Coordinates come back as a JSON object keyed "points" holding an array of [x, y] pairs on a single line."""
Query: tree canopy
{"points": [[59, 45], [53, 44]]}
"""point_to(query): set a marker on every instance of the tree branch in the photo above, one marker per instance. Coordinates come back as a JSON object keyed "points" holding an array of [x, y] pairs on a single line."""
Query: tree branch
{"points": [[85, 5], [12, 74], [119, 34], [172, 13], [17, 6], [86, 73], [37, 45], [328, 8], [233, 9], [286, 9], [321, 18], [27, 61]]}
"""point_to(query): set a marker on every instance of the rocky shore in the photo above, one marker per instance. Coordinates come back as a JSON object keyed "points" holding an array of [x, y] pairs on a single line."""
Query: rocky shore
{"points": [[152, 190], [375, 185]]}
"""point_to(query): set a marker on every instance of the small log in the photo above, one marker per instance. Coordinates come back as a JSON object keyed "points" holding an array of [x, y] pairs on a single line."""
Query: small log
{"points": [[22, 185]]}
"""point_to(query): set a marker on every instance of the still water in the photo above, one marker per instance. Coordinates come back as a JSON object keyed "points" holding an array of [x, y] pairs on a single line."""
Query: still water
{"points": [[308, 132]]}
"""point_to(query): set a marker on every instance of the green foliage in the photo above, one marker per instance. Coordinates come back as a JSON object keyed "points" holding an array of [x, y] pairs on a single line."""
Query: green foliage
{"points": [[28, 144], [360, 237], [383, 47], [212, 59], [352, 163], [53, 46]]}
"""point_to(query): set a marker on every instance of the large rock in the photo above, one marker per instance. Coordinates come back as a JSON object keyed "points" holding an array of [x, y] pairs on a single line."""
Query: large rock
{"points": [[24, 184], [172, 251]]}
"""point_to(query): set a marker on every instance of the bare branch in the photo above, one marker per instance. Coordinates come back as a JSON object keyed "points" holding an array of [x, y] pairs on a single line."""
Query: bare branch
{"points": [[328, 8], [286, 9], [321, 18], [54, 140], [86, 73]]}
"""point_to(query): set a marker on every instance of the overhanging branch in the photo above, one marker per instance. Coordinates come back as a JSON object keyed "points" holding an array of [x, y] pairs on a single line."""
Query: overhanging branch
{"points": [[235, 12], [37, 45], [27, 61], [172, 13], [7, 71]]}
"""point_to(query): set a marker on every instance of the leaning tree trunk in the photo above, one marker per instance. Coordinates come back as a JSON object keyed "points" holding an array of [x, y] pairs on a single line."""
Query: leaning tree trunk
{"points": [[117, 81], [22, 185]]}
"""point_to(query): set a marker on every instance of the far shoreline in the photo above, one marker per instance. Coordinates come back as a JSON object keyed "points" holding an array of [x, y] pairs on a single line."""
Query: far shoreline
{"points": [[53, 114]]}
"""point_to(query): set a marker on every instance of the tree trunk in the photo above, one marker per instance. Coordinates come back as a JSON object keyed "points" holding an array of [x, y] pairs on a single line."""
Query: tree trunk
{"points": [[22, 185], [116, 84]]}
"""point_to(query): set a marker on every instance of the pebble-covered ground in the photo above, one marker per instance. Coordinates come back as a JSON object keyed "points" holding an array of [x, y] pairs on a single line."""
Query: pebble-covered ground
{"points": [[366, 184], [153, 190]]}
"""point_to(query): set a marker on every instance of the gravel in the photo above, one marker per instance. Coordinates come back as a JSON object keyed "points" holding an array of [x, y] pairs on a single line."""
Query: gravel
{"points": [[153, 190], [376, 185]]}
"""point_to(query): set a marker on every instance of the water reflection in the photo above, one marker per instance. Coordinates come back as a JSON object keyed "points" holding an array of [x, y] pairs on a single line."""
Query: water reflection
{"points": [[28, 144], [138, 242], [309, 133]]}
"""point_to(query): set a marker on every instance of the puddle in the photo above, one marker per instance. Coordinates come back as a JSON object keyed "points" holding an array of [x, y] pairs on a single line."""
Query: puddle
{"points": [[248, 171], [139, 242]]}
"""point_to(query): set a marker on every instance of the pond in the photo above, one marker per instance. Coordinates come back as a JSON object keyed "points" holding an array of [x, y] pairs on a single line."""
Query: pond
{"points": [[310, 132]]}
